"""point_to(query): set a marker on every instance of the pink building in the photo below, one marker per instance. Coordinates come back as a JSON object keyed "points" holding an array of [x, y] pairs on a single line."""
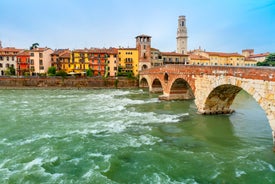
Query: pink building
{"points": [[40, 60]]}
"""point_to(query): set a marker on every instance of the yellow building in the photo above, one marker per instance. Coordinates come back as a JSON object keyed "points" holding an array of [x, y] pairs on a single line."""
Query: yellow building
{"points": [[198, 60], [79, 62], [128, 60], [250, 62], [226, 59], [200, 57]]}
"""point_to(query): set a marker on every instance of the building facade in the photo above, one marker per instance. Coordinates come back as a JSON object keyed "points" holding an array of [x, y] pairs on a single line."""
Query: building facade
{"points": [[198, 60], [202, 57], [23, 63], [143, 45], [128, 61], [103, 62], [182, 36], [249, 53], [60, 59], [40, 60], [79, 62], [156, 58], [174, 58], [8, 58]]}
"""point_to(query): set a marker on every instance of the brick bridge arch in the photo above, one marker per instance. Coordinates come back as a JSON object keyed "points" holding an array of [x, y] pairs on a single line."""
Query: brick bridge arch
{"points": [[215, 87]]}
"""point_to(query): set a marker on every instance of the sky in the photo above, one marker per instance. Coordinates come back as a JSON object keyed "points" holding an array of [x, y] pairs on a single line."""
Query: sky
{"points": [[213, 25]]}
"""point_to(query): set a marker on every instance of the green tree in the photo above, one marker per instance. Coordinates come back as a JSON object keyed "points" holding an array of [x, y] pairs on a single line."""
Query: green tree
{"points": [[52, 71], [34, 45], [61, 73], [90, 72], [10, 71], [269, 60]]}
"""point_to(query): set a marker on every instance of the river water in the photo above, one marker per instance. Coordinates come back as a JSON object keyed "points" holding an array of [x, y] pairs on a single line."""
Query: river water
{"points": [[129, 136]]}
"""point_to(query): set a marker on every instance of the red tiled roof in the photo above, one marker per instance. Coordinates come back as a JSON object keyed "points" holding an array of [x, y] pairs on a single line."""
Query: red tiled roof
{"points": [[127, 49], [24, 53], [249, 59], [224, 54], [259, 55], [154, 49], [10, 49], [65, 55], [39, 49], [198, 57], [60, 51], [97, 51]]}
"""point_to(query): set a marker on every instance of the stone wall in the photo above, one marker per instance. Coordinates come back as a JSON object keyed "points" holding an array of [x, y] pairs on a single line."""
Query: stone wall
{"points": [[70, 82]]}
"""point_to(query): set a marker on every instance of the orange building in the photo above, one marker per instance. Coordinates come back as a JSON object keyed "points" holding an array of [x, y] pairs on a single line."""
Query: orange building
{"points": [[103, 62], [23, 62]]}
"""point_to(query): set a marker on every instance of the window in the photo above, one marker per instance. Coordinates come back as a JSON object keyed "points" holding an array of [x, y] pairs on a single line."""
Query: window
{"points": [[1, 58], [12, 58], [41, 68], [32, 54], [32, 62], [8, 58], [40, 62], [1, 65], [182, 23], [144, 46]]}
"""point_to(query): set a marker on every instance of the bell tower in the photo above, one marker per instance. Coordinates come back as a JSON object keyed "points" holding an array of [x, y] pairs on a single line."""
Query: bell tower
{"points": [[182, 36], [143, 45]]}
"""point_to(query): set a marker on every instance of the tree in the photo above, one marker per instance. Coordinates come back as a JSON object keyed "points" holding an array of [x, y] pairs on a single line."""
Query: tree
{"points": [[61, 73], [269, 60], [90, 72], [34, 46], [10, 71], [51, 71]]}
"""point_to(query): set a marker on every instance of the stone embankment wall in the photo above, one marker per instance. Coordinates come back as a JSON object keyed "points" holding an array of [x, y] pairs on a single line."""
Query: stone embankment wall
{"points": [[69, 82]]}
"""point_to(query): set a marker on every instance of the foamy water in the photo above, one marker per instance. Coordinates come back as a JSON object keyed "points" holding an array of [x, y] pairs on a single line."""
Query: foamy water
{"points": [[129, 136]]}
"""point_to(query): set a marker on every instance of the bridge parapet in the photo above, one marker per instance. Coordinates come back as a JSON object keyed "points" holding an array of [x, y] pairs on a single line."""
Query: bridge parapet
{"points": [[260, 73]]}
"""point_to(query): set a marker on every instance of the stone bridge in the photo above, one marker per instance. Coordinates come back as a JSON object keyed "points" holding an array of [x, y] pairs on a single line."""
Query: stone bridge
{"points": [[213, 87]]}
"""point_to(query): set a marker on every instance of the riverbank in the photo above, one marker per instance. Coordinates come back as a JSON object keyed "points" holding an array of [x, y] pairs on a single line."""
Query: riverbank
{"points": [[66, 83]]}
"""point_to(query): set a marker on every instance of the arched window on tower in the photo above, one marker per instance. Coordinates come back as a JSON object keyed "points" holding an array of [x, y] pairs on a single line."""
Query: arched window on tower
{"points": [[182, 23]]}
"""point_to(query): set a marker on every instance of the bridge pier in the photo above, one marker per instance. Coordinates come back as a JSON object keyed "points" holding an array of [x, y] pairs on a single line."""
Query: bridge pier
{"points": [[218, 111], [175, 97], [156, 90]]}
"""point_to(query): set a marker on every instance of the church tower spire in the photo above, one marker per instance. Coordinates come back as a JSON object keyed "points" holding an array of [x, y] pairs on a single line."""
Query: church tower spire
{"points": [[182, 36]]}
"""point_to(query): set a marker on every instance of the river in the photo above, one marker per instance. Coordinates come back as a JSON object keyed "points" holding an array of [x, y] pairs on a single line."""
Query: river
{"points": [[129, 136]]}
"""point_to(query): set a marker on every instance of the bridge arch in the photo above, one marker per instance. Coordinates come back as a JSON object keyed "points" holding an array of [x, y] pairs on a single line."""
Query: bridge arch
{"points": [[156, 86], [180, 89], [220, 99], [143, 83]]}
